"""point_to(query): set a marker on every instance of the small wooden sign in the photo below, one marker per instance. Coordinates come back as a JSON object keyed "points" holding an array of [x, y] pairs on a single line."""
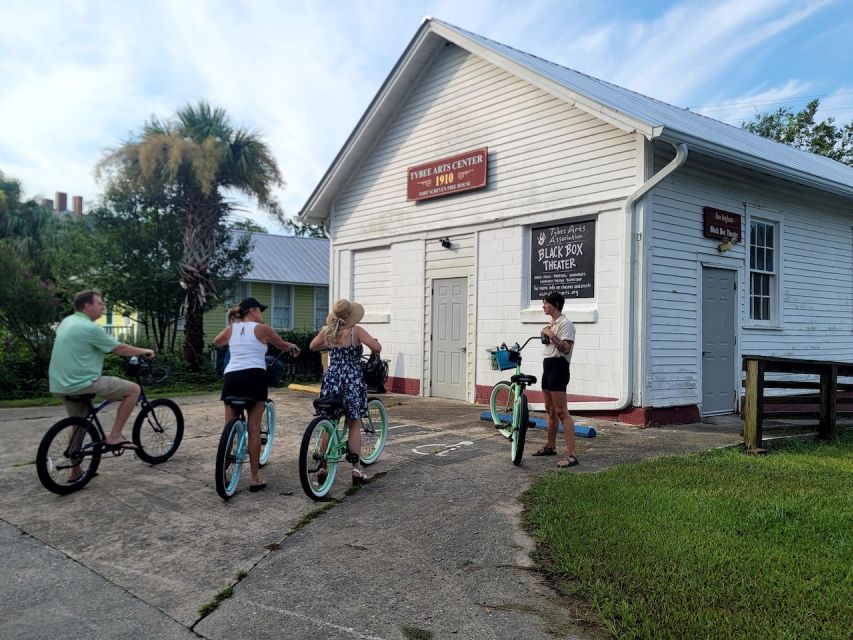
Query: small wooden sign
{"points": [[462, 172], [723, 225]]}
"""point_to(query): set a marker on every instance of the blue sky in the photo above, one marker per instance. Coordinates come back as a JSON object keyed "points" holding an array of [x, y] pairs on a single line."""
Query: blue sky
{"points": [[78, 77]]}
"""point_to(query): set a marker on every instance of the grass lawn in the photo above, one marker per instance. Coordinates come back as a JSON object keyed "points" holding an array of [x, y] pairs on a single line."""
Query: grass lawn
{"points": [[173, 391], [717, 545]]}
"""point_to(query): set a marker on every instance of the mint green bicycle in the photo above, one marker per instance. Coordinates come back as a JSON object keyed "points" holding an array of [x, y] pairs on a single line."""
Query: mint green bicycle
{"points": [[324, 443], [507, 402]]}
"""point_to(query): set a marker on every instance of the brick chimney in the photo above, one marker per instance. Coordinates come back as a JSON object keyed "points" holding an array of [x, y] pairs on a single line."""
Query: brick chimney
{"points": [[61, 201], [77, 206]]}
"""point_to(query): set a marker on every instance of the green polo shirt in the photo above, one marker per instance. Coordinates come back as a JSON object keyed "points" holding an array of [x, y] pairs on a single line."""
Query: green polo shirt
{"points": [[78, 354]]}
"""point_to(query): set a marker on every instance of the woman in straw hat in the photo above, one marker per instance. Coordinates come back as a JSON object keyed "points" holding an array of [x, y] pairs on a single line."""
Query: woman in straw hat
{"points": [[344, 339]]}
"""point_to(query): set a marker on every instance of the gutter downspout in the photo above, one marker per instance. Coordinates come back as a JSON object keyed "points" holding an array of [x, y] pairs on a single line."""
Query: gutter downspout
{"points": [[628, 286]]}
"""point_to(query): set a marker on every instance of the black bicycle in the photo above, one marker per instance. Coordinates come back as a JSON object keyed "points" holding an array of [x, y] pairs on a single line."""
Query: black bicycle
{"points": [[71, 450]]}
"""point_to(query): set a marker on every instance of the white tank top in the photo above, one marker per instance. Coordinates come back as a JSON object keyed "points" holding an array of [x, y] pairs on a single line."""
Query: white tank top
{"points": [[247, 352]]}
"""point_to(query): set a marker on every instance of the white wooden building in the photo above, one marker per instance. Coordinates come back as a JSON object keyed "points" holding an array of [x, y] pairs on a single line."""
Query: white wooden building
{"points": [[622, 202]]}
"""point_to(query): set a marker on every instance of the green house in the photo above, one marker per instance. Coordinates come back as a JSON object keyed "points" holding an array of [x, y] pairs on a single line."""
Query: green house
{"points": [[290, 275]]}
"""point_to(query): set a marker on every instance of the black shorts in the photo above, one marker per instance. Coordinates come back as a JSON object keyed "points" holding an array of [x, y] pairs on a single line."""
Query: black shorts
{"points": [[246, 383], [555, 374]]}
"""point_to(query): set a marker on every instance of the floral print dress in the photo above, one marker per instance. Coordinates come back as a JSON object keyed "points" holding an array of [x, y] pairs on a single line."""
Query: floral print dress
{"points": [[344, 378]]}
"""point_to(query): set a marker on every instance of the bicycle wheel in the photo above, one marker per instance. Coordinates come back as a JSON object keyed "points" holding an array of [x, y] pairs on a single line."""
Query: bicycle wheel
{"points": [[374, 431], [267, 431], [501, 403], [158, 430], [318, 459], [156, 374], [68, 455], [229, 457], [519, 432]]}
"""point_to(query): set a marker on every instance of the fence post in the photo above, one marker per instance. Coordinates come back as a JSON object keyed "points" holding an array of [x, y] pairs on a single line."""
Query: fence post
{"points": [[828, 426], [753, 412]]}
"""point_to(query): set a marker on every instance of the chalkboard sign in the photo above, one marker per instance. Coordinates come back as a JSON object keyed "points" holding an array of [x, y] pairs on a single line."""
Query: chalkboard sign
{"points": [[562, 258]]}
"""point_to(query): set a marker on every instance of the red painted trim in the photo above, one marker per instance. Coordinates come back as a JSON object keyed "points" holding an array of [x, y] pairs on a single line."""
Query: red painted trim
{"points": [[537, 396], [409, 386], [638, 416]]}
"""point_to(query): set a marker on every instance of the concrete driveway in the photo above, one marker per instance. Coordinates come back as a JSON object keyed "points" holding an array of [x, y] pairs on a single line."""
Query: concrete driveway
{"points": [[432, 545]]}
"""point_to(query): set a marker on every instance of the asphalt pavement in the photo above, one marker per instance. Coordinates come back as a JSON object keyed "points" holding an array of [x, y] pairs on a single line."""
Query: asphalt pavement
{"points": [[431, 547]]}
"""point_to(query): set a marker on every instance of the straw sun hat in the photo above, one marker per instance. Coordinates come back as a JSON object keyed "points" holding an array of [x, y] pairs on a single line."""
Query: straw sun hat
{"points": [[347, 313]]}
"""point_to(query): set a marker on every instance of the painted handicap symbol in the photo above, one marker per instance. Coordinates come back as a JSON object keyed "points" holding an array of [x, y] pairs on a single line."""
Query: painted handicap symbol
{"points": [[439, 449]]}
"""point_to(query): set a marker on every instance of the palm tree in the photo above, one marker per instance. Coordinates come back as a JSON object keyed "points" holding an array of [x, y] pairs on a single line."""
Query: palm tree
{"points": [[199, 156]]}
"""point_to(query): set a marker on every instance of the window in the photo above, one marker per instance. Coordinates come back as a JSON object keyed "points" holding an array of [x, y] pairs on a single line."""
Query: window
{"points": [[282, 306], [321, 306], [240, 291], [763, 238]]}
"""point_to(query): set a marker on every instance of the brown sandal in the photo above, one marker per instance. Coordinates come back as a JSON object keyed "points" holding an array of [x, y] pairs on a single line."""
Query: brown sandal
{"points": [[358, 475], [545, 451], [568, 461]]}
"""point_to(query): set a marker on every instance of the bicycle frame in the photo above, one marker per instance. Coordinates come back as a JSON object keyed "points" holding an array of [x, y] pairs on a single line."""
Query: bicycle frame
{"points": [[517, 389]]}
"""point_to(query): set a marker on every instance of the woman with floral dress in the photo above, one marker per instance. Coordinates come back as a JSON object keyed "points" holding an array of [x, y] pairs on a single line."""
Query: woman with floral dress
{"points": [[344, 378]]}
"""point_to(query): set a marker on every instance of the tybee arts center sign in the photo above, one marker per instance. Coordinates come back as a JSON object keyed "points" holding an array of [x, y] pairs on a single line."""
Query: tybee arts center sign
{"points": [[562, 258]]}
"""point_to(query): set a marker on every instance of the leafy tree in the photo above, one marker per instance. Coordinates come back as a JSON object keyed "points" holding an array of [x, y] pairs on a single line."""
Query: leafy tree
{"points": [[201, 156], [801, 131], [130, 248], [247, 225], [301, 230], [28, 298]]}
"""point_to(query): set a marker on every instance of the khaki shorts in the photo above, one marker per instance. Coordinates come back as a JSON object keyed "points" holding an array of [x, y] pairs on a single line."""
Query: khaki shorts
{"points": [[108, 387]]}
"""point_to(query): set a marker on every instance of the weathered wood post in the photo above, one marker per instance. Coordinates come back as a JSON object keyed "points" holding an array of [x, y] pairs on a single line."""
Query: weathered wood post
{"points": [[753, 412], [828, 426]]}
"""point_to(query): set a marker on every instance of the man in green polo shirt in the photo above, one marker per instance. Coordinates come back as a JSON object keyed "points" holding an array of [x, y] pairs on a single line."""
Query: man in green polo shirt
{"points": [[78, 359]]}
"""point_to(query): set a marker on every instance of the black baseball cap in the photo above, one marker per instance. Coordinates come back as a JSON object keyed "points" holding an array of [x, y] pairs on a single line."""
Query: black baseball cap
{"points": [[555, 298], [250, 303]]}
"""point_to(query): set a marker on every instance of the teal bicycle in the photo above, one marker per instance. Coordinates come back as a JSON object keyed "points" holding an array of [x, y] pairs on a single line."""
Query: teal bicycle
{"points": [[507, 402], [324, 443], [233, 450]]}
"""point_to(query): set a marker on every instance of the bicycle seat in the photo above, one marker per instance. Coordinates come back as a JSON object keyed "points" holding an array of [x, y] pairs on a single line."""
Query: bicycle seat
{"points": [[523, 378], [86, 397], [239, 401], [328, 403]]}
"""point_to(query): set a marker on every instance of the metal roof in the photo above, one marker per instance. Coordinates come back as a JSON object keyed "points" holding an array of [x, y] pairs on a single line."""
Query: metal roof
{"points": [[621, 107], [289, 260], [680, 125]]}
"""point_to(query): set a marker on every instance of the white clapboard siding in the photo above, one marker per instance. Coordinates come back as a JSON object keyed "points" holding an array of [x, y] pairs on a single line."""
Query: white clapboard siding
{"points": [[543, 154], [457, 262], [371, 284], [816, 269]]}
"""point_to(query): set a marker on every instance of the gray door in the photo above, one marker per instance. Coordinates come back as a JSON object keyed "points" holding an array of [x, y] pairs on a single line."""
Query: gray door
{"points": [[449, 337], [718, 341]]}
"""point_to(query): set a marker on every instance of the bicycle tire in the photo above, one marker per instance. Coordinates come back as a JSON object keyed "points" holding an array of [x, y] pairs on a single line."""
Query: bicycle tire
{"points": [[157, 375], [374, 431], [314, 455], [502, 403], [519, 433], [54, 458], [229, 457], [267, 431], [158, 431]]}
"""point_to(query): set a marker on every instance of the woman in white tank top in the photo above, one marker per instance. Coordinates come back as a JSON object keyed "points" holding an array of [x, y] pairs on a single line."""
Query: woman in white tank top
{"points": [[245, 375]]}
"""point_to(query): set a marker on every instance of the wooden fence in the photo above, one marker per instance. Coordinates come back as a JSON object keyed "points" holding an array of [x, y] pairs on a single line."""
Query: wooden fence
{"points": [[821, 400]]}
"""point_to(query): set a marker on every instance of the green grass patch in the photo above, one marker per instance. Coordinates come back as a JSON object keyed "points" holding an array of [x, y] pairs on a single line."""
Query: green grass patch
{"points": [[717, 545], [223, 594]]}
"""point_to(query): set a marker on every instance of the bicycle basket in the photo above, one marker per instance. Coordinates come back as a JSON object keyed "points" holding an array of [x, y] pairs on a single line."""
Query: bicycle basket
{"points": [[375, 370], [275, 371], [500, 359], [133, 366]]}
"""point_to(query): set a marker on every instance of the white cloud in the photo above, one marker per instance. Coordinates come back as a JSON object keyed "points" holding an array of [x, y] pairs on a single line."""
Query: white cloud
{"points": [[78, 77]]}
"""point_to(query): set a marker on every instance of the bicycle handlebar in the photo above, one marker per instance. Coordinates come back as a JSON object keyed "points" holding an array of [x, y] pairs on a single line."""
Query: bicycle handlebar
{"points": [[515, 347]]}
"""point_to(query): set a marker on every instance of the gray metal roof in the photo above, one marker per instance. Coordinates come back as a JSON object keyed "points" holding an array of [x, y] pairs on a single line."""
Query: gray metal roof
{"points": [[625, 109], [680, 125], [289, 260]]}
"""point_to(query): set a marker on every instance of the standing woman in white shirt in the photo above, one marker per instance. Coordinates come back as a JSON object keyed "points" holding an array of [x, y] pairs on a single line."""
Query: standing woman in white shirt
{"points": [[559, 342], [245, 375]]}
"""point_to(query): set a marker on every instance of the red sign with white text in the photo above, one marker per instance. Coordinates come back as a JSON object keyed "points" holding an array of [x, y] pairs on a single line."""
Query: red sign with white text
{"points": [[462, 172]]}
